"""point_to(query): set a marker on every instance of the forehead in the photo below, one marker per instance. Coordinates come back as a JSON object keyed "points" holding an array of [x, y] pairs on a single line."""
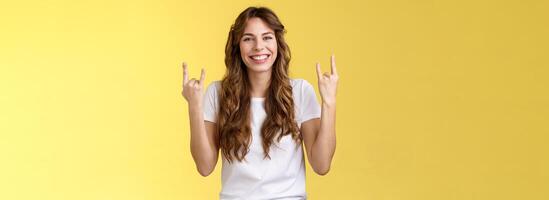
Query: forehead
{"points": [[257, 26]]}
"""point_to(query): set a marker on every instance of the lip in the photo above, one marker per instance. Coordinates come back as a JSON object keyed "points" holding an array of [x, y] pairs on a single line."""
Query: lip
{"points": [[260, 61]]}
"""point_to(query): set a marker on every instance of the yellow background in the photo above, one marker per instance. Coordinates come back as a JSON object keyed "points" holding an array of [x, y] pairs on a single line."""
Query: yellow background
{"points": [[437, 99]]}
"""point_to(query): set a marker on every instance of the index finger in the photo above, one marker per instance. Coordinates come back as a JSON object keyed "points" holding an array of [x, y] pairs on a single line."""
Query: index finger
{"points": [[333, 61], [202, 77]]}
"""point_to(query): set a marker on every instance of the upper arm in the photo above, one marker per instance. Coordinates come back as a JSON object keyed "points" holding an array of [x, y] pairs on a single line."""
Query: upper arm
{"points": [[213, 137], [309, 131], [309, 111], [210, 115]]}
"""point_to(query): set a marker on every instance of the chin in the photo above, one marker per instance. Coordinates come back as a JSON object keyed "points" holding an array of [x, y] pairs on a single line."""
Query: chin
{"points": [[260, 68]]}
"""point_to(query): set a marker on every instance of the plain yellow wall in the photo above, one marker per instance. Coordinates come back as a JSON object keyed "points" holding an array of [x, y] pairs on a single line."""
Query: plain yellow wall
{"points": [[437, 99]]}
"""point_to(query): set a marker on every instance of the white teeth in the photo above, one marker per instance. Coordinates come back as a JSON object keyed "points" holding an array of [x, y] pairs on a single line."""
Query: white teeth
{"points": [[261, 57]]}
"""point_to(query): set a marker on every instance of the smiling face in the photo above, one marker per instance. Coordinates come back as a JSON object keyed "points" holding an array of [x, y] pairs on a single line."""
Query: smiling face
{"points": [[258, 46]]}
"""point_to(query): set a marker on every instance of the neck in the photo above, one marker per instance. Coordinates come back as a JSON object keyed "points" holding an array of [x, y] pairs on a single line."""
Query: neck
{"points": [[259, 82]]}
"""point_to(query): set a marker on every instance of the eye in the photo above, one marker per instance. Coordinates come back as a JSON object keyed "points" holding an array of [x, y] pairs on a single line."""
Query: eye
{"points": [[268, 38], [246, 39]]}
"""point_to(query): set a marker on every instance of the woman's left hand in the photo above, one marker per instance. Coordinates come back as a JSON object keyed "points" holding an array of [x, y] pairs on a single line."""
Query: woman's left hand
{"points": [[327, 83]]}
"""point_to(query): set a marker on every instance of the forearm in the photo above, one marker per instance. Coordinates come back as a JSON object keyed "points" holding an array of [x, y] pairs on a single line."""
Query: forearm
{"points": [[203, 151], [324, 146]]}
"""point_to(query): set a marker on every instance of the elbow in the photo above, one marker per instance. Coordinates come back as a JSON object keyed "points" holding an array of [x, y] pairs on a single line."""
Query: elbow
{"points": [[322, 171], [205, 169], [321, 167], [204, 172], [204, 166]]}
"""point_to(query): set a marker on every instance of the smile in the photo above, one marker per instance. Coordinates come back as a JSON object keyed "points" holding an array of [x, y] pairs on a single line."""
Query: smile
{"points": [[260, 58]]}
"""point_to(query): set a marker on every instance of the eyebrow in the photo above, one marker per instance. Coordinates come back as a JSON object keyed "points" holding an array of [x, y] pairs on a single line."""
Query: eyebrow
{"points": [[249, 34]]}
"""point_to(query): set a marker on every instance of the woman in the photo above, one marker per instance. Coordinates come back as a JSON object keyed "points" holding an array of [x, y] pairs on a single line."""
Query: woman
{"points": [[258, 117]]}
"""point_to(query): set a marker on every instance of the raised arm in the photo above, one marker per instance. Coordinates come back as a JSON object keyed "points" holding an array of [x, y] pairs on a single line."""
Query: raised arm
{"points": [[204, 141], [319, 134]]}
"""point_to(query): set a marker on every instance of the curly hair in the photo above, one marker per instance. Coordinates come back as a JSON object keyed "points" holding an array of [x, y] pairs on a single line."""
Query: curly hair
{"points": [[234, 107]]}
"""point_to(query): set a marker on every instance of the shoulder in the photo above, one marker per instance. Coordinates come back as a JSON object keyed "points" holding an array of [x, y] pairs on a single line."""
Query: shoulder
{"points": [[298, 83], [214, 86], [305, 101], [301, 89], [213, 90]]}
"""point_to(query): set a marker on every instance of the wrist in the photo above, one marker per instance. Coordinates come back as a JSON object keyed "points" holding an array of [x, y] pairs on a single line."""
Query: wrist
{"points": [[195, 107], [328, 104]]}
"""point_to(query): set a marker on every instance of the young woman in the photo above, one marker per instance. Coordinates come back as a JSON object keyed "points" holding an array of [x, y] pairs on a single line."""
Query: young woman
{"points": [[259, 117]]}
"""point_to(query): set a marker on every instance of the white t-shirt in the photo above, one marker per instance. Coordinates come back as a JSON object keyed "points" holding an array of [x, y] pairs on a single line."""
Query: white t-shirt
{"points": [[282, 176]]}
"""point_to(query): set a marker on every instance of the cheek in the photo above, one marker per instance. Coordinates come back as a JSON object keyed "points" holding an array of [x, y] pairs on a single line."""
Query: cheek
{"points": [[274, 48], [275, 54], [243, 51], [244, 47]]}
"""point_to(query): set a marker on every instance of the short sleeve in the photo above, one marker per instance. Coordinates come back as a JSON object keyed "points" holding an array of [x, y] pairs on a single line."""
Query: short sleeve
{"points": [[210, 102], [310, 108]]}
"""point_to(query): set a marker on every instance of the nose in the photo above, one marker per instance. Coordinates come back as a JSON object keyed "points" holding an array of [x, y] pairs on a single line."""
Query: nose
{"points": [[258, 46]]}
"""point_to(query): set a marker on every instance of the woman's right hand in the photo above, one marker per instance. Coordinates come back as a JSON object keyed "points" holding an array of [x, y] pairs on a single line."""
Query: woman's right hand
{"points": [[192, 89]]}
